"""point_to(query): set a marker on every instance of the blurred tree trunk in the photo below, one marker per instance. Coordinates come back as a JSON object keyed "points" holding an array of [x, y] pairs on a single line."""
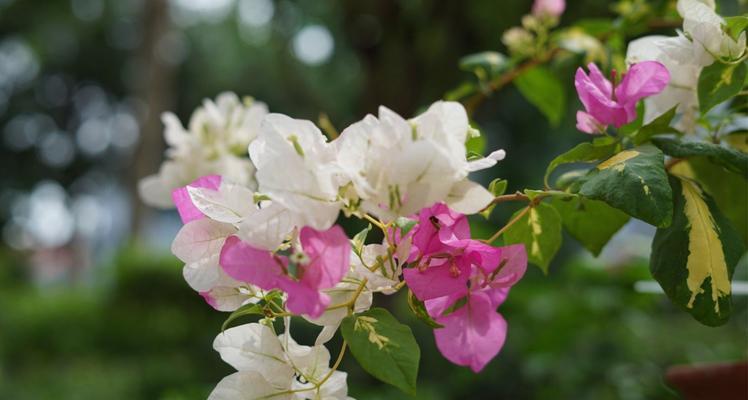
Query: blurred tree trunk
{"points": [[155, 89]]}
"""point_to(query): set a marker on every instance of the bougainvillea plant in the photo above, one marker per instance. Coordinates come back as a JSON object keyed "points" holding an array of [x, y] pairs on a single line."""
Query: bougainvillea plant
{"points": [[260, 193]]}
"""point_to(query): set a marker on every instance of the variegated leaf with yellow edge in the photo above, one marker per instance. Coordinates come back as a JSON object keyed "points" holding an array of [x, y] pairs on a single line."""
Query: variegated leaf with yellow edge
{"points": [[633, 181], [539, 229], [694, 258]]}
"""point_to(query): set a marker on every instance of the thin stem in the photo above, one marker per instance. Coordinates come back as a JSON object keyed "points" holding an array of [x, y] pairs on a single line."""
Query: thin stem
{"points": [[472, 102], [375, 222], [352, 302], [507, 197], [334, 366], [512, 222]]}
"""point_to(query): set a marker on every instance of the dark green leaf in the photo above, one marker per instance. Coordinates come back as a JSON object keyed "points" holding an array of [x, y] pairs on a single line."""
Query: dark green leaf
{"points": [[539, 229], [542, 88], [384, 347], [658, 126], [719, 82], [633, 181], [571, 181], [694, 258], [419, 310], [732, 160], [583, 152], [590, 222]]}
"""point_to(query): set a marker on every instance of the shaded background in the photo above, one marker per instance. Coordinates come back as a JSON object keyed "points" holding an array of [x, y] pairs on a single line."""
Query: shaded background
{"points": [[93, 306]]}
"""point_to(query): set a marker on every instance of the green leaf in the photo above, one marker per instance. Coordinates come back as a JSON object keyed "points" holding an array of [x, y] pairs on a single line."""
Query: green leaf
{"points": [[571, 181], [464, 90], [633, 181], [419, 310], [728, 190], [633, 126], [539, 229], [497, 187], [358, 241], [738, 140], [476, 145], [694, 258], [732, 160], [247, 309], [405, 224], [736, 25], [542, 88], [592, 223], [485, 65], [583, 152], [719, 82], [384, 347], [658, 126], [596, 26]]}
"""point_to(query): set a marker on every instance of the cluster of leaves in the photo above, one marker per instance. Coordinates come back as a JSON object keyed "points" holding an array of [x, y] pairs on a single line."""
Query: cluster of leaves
{"points": [[693, 189]]}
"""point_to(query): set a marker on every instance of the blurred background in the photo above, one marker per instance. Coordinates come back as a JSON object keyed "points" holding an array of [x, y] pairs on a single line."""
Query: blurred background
{"points": [[92, 304]]}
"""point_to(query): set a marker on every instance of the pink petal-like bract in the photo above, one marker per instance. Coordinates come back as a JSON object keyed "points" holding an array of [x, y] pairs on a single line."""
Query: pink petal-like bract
{"points": [[643, 79], [437, 227], [588, 124], [181, 197], [249, 264], [329, 259], [437, 281], [329, 253], [473, 334], [305, 300], [597, 99], [607, 106], [512, 266]]}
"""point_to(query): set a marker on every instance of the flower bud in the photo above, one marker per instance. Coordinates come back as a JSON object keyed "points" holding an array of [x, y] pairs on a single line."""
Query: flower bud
{"points": [[518, 40], [548, 8]]}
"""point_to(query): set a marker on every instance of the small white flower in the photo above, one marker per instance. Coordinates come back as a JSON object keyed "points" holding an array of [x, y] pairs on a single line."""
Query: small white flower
{"points": [[199, 242], [276, 366], [296, 169], [704, 28], [681, 89], [703, 39], [215, 143], [397, 167]]}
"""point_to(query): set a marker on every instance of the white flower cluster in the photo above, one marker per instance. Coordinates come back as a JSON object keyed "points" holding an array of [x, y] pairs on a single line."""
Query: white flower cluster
{"points": [[293, 179], [386, 166], [215, 143], [277, 367], [702, 41]]}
